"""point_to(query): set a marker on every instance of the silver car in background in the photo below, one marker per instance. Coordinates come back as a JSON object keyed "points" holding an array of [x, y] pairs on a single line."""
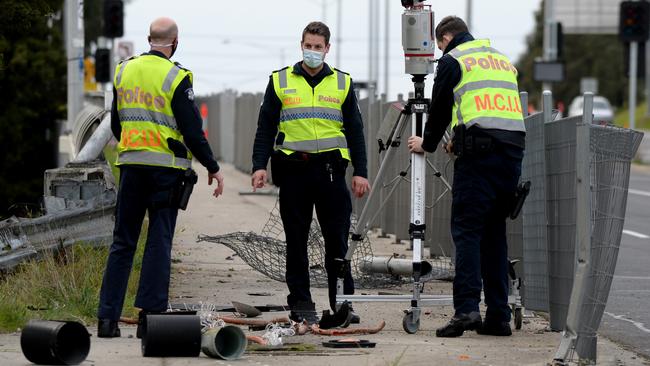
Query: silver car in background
{"points": [[603, 111]]}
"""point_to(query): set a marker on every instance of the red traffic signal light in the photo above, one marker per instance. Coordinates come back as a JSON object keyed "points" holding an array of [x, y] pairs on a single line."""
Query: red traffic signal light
{"points": [[113, 18], [634, 21]]}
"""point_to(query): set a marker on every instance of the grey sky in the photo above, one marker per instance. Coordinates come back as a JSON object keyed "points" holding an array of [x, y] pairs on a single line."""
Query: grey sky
{"points": [[236, 44]]}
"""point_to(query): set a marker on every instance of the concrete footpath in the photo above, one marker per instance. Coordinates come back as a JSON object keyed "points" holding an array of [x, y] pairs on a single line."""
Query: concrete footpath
{"points": [[203, 272]]}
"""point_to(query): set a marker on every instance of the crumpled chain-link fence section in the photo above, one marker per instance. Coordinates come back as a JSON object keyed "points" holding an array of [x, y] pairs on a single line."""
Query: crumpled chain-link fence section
{"points": [[266, 253]]}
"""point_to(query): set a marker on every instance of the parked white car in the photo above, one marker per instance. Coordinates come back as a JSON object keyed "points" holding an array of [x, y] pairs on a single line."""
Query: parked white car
{"points": [[603, 111]]}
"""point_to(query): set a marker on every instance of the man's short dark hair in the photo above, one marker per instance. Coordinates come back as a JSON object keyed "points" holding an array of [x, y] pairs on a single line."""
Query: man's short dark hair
{"points": [[450, 25], [319, 29]]}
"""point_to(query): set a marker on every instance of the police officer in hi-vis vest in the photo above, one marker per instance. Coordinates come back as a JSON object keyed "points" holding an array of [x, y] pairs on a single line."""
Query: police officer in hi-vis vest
{"points": [[475, 89], [310, 126], [159, 128]]}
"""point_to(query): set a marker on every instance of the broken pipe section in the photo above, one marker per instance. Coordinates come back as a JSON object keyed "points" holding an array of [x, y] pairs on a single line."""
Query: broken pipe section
{"points": [[226, 343]]}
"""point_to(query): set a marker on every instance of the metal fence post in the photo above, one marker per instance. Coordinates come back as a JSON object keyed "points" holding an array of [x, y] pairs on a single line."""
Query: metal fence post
{"points": [[583, 236]]}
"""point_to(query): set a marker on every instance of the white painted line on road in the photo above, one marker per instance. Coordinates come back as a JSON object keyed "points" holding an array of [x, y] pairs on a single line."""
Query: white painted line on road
{"points": [[633, 277], [639, 192], [635, 234], [639, 325]]}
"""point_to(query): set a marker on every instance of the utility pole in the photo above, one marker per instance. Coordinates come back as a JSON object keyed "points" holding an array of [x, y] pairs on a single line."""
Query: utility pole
{"points": [[74, 41], [550, 46], [339, 26], [371, 47], [468, 19], [387, 47]]}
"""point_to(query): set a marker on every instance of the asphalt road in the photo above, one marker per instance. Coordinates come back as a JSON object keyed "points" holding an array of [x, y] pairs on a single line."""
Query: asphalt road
{"points": [[627, 315]]}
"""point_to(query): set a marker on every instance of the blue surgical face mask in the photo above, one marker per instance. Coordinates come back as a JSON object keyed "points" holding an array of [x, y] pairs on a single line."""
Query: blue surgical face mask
{"points": [[312, 59]]}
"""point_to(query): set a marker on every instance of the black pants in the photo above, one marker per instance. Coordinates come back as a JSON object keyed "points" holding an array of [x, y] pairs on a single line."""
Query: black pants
{"points": [[142, 189], [483, 189], [306, 184]]}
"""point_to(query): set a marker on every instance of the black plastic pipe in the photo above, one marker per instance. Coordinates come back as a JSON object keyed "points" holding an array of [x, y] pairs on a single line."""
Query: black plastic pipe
{"points": [[47, 342], [169, 335]]}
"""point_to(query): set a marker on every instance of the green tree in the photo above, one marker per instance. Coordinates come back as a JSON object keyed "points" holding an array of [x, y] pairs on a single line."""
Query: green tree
{"points": [[32, 96], [598, 56]]}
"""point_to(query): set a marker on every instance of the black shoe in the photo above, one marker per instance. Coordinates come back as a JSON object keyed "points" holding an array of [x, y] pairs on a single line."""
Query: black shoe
{"points": [[304, 311], [354, 319], [459, 324], [107, 328], [501, 329]]}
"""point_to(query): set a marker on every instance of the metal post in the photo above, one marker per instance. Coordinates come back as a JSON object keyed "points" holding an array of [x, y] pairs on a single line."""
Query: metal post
{"points": [[583, 235], [468, 19], [339, 26], [74, 36], [647, 77], [523, 97], [547, 105], [324, 9], [634, 55], [549, 54], [387, 46]]}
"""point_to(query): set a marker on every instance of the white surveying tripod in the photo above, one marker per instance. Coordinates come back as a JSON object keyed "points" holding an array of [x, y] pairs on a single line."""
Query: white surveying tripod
{"points": [[418, 43]]}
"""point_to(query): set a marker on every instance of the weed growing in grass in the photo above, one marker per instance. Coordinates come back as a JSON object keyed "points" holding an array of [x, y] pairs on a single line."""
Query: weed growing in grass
{"points": [[61, 285]]}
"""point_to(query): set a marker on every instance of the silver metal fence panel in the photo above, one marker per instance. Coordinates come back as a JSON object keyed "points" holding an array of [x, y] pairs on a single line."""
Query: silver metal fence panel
{"points": [[560, 140], [247, 107], [226, 108], [214, 124], [533, 216], [612, 150]]}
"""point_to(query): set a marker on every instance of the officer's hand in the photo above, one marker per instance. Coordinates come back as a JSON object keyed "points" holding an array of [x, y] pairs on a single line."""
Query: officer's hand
{"points": [[360, 186], [258, 180], [449, 147], [219, 177], [415, 144]]}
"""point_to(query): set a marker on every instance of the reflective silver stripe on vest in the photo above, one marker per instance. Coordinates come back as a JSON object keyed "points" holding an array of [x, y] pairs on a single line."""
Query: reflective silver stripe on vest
{"points": [[315, 145], [341, 80], [293, 114], [282, 76], [458, 53], [119, 74], [152, 158], [169, 79], [144, 115], [483, 84], [498, 123]]}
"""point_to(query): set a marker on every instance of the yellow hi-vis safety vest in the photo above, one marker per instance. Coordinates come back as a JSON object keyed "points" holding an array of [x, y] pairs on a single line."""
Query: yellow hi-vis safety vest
{"points": [[311, 119], [487, 95], [145, 87]]}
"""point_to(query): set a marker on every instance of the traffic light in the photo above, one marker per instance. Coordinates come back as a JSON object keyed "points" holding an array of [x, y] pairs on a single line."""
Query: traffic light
{"points": [[103, 65], [634, 21], [113, 18]]}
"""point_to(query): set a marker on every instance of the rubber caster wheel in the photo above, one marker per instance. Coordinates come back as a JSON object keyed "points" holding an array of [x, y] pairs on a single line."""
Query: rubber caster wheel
{"points": [[410, 326], [519, 317]]}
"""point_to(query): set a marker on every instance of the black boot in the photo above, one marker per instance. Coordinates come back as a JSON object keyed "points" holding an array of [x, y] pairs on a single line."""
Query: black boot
{"points": [[459, 324], [501, 329], [107, 328], [304, 311]]}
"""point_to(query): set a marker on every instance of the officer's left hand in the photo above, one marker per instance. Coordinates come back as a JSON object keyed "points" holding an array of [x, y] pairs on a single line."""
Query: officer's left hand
{"points": [[219, 177], [415, 144], [360, 186]]}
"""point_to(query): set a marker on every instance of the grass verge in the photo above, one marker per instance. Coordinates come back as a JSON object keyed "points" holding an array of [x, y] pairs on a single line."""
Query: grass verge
{"points": [[642, 122], [62, 285]]}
